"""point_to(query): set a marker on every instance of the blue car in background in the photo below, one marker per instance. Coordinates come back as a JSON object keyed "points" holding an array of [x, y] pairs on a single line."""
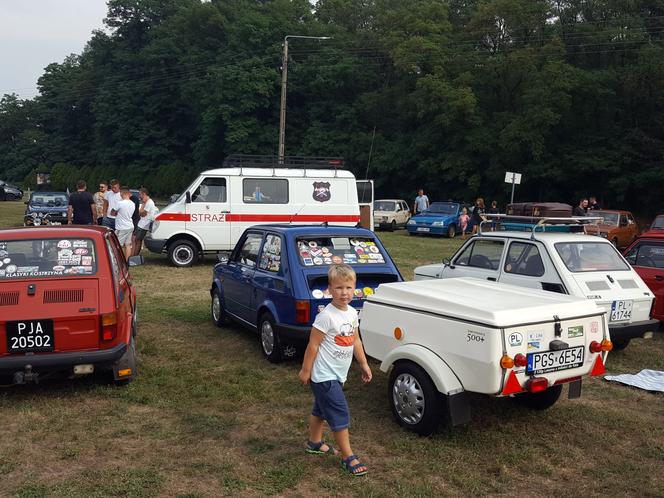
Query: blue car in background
{"points": [[46, 208], [275, 279], [442, 218]]}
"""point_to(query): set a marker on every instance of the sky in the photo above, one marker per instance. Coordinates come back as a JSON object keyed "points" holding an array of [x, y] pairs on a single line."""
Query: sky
{"points": [[35, 33]]}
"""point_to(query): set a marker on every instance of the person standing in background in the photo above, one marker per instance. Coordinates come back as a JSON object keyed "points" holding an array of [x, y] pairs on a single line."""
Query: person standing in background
{"points": [[493, 210], [477, 216], [111, 200], [593, 204], [147, 213], [81, 210], [124, 226], [421, 202], [581, 209], [99, 201]]}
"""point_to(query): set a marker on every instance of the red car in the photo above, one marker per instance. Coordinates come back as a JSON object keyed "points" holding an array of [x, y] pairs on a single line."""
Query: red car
{"points": [[646, 255], [67, 304]]}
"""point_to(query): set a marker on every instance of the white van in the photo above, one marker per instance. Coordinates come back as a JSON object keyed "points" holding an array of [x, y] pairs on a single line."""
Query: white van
{"points": [[220, 204]]}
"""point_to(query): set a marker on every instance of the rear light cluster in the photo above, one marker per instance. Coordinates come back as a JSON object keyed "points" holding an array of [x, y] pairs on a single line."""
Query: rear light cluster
{"points": [[599, 347], [302, 311], [109, 326]]}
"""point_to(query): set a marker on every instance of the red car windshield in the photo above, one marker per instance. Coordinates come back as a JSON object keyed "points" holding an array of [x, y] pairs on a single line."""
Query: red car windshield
{"points": [[39, 258]]}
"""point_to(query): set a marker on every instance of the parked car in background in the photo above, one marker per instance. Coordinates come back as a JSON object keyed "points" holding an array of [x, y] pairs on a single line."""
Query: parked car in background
{"points": [[569, 263], [657, 223], [390, 214], [67, 304], [10, 192], [618, 227], [646, 255], [442, 218], [50, 206], [275, 280]]}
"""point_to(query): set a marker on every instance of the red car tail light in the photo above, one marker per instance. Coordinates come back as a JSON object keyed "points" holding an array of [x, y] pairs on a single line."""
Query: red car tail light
{"points": [[109, 326], [302, 311], [537, 385], [520, 360], [595, 347]]}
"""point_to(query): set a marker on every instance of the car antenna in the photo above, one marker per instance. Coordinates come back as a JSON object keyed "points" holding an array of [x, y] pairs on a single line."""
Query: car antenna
{"points": [[290, 221]]}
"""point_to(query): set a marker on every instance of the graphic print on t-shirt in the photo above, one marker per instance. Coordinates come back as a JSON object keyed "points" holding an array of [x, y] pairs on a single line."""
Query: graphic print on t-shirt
{"points": [[346, 335]]}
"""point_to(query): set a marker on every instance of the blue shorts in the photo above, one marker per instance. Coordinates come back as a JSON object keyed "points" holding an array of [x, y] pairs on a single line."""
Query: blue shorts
{"points": [[330, 404]]}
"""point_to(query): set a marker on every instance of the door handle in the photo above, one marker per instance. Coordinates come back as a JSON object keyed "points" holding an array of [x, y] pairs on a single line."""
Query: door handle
{"points": [[493, 279], [659, 277]]}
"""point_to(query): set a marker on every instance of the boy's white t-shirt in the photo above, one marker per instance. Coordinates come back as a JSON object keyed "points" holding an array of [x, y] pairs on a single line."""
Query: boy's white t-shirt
{"points": [[113, 199], [151, 209], [335, 353], [123, 219]]}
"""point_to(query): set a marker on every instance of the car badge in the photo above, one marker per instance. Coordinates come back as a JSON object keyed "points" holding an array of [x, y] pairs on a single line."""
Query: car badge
{"points": [[321, 191]]}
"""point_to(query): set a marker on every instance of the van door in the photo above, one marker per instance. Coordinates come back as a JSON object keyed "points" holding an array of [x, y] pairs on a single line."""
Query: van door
{"points": [[481, 258], [526, 265], [206, 213]]}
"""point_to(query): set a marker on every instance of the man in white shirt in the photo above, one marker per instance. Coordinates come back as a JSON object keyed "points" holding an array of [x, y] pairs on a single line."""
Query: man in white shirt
{"points": [[124, 225], [111, 199], [147, 213]]}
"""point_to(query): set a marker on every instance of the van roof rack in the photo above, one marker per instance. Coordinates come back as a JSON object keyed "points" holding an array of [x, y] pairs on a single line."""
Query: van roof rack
{"points": [[539, 223], [297, 162]]}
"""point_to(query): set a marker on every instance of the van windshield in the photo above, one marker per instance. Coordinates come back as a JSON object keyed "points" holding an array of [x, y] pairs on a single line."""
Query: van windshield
{"points": [[36, 258], [590, 256], [322, 251]]}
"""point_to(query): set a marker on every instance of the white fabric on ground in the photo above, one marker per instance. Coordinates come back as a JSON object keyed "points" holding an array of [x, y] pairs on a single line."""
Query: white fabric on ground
{"points": [[650, 380]]}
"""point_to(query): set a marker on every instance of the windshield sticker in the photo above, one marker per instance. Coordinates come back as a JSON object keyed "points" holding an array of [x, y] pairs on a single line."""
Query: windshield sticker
{"points": [[576, 331], [358, 293], [80, 250], [354, 242], [317, 293], [327, 261], [73, 260], [326, 293], [318, 261], [3, 253], [65, 253], [374, 249], [320, 308], [308, 261], [313, 243], [64, 244], [86, 260], [7, 260], [368, 291], [11, 268], [80, 243], [58, 268], [325, 250]]}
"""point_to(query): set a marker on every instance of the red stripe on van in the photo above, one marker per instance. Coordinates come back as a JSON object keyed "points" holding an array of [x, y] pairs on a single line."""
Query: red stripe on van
{"points": [[310, 218], [173, 217]]}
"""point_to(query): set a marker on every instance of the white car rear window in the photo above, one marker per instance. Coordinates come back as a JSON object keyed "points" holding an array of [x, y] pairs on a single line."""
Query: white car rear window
{"points": [[590, 256]]}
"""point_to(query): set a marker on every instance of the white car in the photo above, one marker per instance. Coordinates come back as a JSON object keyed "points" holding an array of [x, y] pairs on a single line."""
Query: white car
{"points": [[568, 263], [391, 214], [463, 335]]}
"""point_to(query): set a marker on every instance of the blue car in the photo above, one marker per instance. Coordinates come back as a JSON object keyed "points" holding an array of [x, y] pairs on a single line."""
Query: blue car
{"points": [[46, 208], [275, 280], [442, 218]]}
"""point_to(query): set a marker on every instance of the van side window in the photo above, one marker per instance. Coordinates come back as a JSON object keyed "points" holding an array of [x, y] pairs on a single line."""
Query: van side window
{"points": [[524, 259], [265, 190], [248, 254], [210, 190], [271, 255], [482, 254]]}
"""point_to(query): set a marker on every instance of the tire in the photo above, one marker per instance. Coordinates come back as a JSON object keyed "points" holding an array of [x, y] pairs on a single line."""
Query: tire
{"points": [[620, 344], [540, 401], [451, 231], [415, 402], [182, 253], [268, 338], [393, 226], [217, 311]]}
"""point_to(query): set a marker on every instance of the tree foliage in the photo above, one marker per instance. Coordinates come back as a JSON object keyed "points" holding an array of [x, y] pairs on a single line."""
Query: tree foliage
{"points": [[448, 95]]}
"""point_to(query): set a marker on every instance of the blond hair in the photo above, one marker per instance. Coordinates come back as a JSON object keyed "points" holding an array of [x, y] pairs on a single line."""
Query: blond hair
{"points": [[341, 272]]}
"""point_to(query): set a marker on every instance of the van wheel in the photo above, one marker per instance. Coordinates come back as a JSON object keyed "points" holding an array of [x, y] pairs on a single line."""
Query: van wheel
{"points": [[540, 401], [416, 403], [182, 253], [451, 231], [620, 344], [217, 311], [269, 339]]}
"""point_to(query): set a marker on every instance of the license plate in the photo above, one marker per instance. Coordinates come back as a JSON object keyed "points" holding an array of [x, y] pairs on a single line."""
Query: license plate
{"points": [[621, 310], [423, 229], [553, 361], [30, 336], [55, 223]]}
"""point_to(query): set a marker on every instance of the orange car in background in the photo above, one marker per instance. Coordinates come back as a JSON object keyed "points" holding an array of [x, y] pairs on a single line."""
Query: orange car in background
{"points": [[619, 227]]}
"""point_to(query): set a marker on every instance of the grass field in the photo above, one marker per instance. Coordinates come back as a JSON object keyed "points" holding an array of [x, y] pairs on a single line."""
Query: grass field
{"points": [[208, 416]]}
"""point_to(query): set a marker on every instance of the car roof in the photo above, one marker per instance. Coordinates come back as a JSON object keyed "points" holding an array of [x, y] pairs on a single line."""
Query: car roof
{"points": [[314, 230], [49, 232], [550, 237], [652, 234], [47, 192], [280, 173], [618, 211], [389, 200]]}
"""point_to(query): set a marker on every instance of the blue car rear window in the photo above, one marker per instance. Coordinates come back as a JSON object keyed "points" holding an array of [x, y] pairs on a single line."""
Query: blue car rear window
{"points": [[322, 251]]}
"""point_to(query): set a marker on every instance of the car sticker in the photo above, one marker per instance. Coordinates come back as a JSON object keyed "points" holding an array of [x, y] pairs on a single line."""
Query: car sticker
{"points": [[318, 261], [327, 261], [374, 249], [86, 260], [7, 261], [359, 250], [354, 242], [58, 268], [80, 250], [368, 291], [305, 254], [2, 273], [594, 327], [515, 339], [358, 293], [316, 252], [313, 243], [64, 244], [3, 253], [533, 345], [325, 250], [326, 293], [576, 331], [317, 293], [362, 261], [65, 253], [80, 243], [363, 244], [71, 261], [308, 261], [11, 268]]}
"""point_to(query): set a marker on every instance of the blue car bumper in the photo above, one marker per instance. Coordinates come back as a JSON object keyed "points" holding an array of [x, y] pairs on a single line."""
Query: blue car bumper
{"points": [[428, 229]]}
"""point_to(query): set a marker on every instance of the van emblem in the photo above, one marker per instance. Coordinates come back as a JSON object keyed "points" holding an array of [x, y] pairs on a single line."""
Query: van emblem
{"points": [[515, 339], [321, 191]]}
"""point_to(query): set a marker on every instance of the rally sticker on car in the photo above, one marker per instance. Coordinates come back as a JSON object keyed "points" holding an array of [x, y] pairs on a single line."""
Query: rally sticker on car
{"points": [[576, 331]]}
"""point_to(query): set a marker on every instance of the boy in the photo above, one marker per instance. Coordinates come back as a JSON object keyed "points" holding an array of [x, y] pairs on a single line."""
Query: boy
{"points": [[124, 226], [332, 343]]}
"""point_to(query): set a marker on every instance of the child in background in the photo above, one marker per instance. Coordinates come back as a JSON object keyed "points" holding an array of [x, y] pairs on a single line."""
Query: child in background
{"points": [[463, 222], [333, 341]]}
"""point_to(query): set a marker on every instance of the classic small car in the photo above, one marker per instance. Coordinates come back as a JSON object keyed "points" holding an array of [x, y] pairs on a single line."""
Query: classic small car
{"points": [[441, 340], [67, 304], [46, 208], [275, 280], [390, 214], [646, 255], [618, 227], [442, 218], [568, 263]]}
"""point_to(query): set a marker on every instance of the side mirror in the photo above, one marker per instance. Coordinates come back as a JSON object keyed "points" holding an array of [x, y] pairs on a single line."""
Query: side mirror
{"points": [[447, 262], [173, 198], [135, 260], [222, 258]]}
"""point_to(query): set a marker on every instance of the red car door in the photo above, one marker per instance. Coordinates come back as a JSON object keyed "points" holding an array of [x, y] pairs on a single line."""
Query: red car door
{"points": [[647, 258]]}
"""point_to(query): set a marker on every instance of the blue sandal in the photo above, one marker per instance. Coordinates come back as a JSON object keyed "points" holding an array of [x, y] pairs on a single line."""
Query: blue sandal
{"points": [[315, 448], [353, 469]]}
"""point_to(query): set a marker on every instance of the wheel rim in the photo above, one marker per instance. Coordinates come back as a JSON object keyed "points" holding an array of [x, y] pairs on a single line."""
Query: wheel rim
{"points": [[408, 398], [451, 232], [183, 255], [267, 337], [216, 308]]}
